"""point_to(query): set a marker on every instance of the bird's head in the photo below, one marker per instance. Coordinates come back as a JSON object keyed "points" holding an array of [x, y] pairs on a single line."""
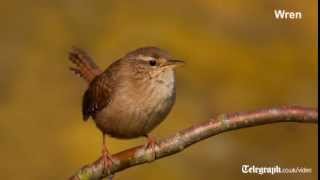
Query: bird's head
{"points": [[152, 60]]}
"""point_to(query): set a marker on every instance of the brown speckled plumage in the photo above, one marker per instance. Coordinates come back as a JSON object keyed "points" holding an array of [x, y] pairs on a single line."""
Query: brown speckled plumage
{"points": [[132, 96]]}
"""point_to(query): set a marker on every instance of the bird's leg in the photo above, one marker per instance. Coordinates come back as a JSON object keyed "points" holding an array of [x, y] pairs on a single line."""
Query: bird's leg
{"points": [[152, 143], [107, 158]]}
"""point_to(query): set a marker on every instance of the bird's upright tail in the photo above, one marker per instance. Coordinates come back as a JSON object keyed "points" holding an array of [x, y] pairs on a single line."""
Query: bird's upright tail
{"points": [[85, 66]]}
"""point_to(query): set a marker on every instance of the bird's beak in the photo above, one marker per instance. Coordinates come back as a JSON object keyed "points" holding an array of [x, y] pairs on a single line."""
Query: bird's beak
{"points": [[174, 63]]}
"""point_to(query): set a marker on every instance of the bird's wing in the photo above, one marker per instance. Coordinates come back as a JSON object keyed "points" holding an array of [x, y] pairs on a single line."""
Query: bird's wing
{"points": [[97, 96], [85, 66]]}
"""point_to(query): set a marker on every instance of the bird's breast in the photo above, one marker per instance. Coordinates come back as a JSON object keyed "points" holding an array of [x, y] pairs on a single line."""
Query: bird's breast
{"points": [[138, 107]]}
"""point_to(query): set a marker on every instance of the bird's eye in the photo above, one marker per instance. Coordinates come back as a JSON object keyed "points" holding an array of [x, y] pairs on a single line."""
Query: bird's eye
{"points": [[152, 63]]}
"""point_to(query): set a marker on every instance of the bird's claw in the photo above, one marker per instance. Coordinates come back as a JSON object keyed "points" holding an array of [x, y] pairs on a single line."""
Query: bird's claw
{"points": [[107, 161], [152, 144]]}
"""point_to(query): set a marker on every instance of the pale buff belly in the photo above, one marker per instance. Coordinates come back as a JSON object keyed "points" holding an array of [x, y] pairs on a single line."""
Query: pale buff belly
{"points": [[132, 115]]}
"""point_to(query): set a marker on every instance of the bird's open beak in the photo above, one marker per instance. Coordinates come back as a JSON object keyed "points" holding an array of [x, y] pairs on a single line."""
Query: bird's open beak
{"points": [[174, 63]]}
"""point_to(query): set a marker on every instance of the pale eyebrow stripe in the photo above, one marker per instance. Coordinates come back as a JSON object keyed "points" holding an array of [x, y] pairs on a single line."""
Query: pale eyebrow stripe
{"points": [[145, 58]]}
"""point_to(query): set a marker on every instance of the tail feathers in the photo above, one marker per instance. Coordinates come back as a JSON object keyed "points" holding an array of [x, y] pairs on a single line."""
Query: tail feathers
{"points": [[85, 66]]}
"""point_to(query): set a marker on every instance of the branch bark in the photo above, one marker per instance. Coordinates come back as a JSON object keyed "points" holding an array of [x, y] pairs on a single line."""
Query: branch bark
{"points": [[185, 138]]}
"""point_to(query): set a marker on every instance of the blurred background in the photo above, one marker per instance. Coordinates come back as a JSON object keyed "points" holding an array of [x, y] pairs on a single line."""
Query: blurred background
{"points": [[239, 58]]}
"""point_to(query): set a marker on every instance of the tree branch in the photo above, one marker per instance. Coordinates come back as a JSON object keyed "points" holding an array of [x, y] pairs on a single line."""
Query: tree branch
{"points": [[183, 139]]}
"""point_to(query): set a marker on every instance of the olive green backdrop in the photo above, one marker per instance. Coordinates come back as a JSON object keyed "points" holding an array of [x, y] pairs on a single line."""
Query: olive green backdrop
{"points": [[239, 58]]}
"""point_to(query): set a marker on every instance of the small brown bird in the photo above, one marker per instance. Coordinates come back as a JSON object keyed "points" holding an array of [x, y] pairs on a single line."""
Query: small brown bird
{"points": [[131, 97]]}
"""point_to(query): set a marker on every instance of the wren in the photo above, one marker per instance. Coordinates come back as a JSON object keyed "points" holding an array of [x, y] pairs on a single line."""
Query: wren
{"points": [[132, 96]]}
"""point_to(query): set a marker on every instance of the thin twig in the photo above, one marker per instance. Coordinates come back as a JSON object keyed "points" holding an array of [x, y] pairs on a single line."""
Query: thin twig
{"points": [[196, 133]]}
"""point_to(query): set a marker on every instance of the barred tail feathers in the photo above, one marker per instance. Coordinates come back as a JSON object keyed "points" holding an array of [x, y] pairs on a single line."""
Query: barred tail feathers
{"points": [[85, 66]]}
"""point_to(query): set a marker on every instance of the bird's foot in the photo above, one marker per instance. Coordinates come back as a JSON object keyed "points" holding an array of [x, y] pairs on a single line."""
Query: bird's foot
{"points": [[152, 144], [107, 161]]}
